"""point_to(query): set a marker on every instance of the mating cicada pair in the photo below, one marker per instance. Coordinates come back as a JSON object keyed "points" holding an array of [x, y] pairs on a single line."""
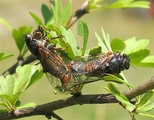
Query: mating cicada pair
{"points": [[68, 78]]}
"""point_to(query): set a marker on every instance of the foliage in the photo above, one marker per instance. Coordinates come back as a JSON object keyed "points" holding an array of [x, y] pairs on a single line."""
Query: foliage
{"points": [[4, 56], [55, 23], [12, 87]]}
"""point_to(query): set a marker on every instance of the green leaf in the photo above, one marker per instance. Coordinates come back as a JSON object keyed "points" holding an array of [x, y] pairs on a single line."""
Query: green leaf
{"points": [[95, 50], [19, 37], [113, 78], [47, 14], [61, 15], [113, 88], [36, 18], [7, 84], [83, 30], [70, 42], [93, 5], [4, 22], [4, 56], [148, 106], [35, 76], [129, 4], [141, 58], [9, 100], [23, 78], [120, 97], [147, 62], [106, 40], [130, 107], [65, 13], [105, 44], [146, 97], [132, 45], [117, 44], [11, 87], [100, 43], [138, 56]]}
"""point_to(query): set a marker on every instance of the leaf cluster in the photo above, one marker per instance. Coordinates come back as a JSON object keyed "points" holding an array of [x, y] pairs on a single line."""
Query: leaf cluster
{"points": [[56, 23]]}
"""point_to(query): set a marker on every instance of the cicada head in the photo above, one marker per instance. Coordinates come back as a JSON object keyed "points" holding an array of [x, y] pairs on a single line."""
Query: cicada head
{"points": [[31, 44], [118, 63]]}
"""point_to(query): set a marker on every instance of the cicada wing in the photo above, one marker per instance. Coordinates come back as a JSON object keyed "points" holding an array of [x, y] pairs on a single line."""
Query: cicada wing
{"points": [[92, 65], [56, 83]]}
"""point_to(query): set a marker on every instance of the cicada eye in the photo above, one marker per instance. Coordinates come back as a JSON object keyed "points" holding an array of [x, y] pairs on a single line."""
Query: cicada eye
{"points": [[28, 37]]}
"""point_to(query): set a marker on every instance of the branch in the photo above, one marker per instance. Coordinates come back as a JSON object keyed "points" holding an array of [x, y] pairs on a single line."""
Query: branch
{"points": [[20, 62], [48, 108], [79, 13]]}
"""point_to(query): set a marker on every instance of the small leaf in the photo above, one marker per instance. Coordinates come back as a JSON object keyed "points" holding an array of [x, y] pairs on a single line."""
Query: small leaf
{"points": [[148, 62], [83, 30], [141, 58], [47, 13], [113, 78], [113, 88], [117, 44], [105, 44], [93, 5], [36, 18], [61, 15], [120, 97], [4, 22], [7, 84], [100, 43], [19, 37], [23, 78], [132, 45], [106, 40], [146, 97], [139, 55], [148, 106], [4, 56], [65, 13], [129, 4], [36, 75], [70, 42], [95, 50], [130, 107]]}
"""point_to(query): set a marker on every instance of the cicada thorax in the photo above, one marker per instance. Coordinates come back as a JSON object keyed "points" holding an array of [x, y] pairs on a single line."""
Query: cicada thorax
{"points": [[115, 65], [118, 63]]}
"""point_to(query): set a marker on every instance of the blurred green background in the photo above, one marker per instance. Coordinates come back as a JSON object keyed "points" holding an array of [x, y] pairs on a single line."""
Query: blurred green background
{"points": [[123, 23]]}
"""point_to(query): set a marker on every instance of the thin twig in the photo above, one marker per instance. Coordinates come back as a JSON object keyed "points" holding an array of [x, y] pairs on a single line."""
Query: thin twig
{"points": [[20, 62], [79, 13], [47, 108]]}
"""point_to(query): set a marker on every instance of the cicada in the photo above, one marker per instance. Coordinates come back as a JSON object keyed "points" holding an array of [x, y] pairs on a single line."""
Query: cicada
{"points": [[69, 78], [57, 71], [102, 64]]}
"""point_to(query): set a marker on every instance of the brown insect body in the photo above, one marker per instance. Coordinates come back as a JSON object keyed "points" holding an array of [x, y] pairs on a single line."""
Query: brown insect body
{"points": [[91, 65], [102, 64], [71, 77], [51, 62]]}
